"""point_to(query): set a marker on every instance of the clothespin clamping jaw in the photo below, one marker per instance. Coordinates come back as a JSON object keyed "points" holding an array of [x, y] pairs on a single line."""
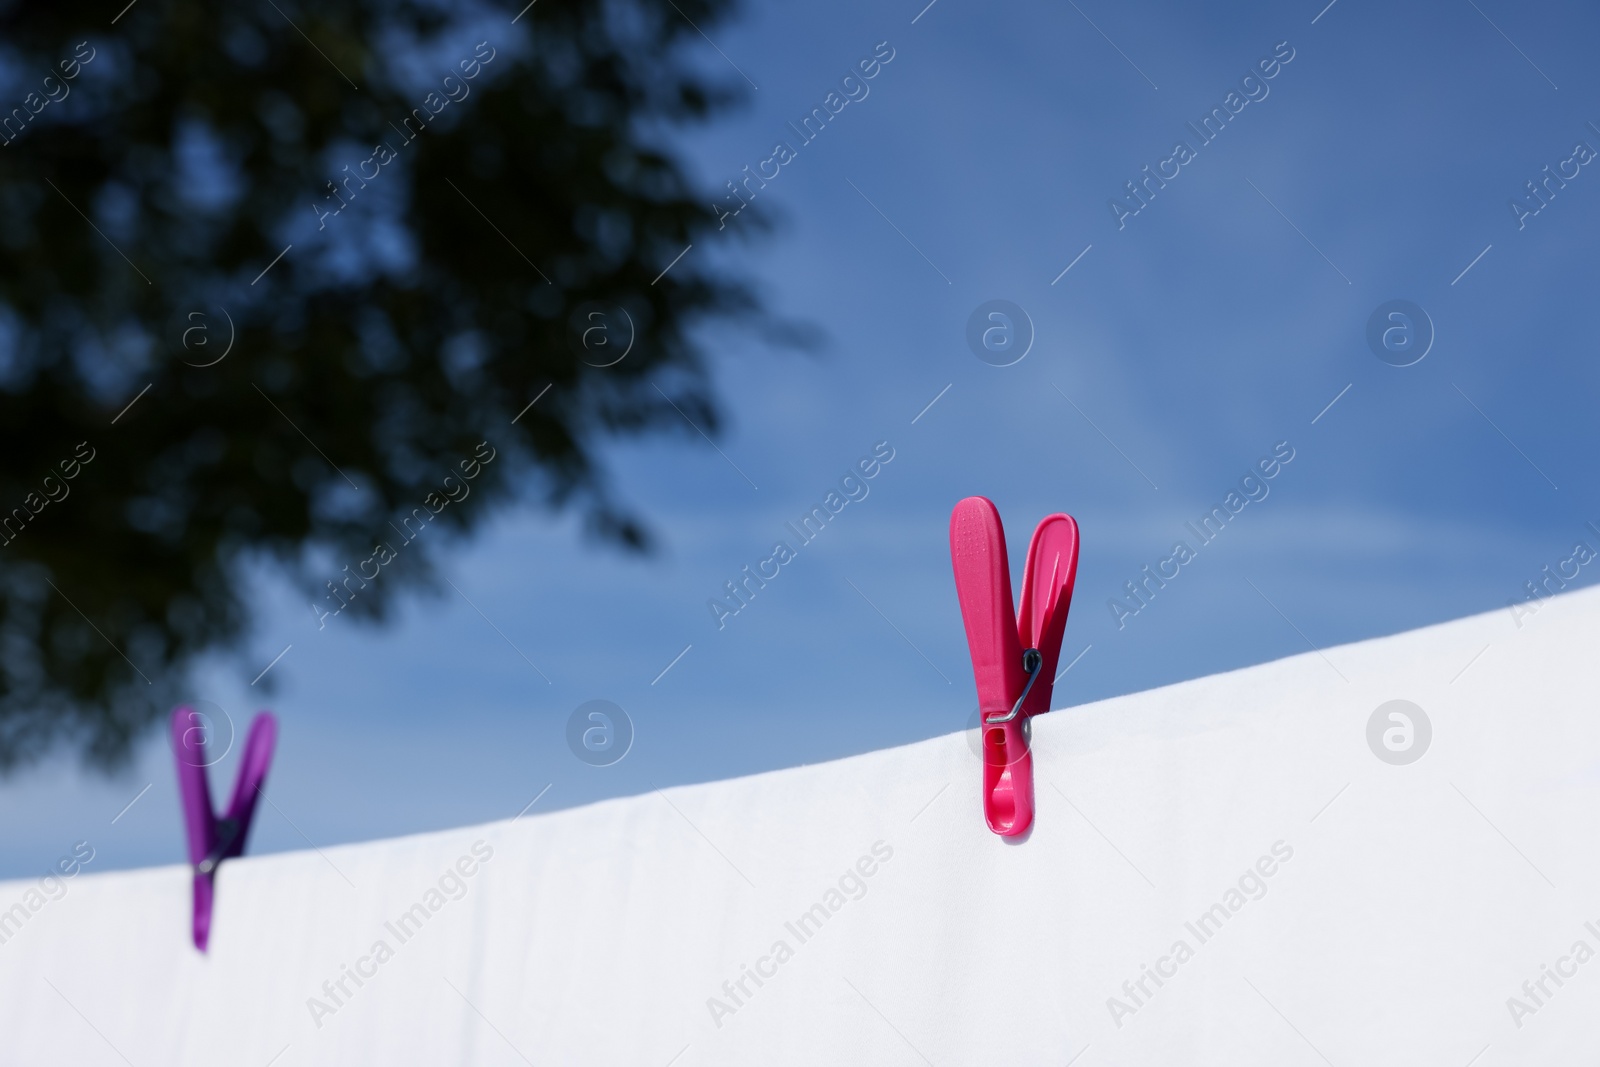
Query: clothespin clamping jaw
{"points": [[1013, 659], [213, 839]]}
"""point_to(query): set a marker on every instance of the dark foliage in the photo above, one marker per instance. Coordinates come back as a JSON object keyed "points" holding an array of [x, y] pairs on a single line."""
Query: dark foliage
{"points": [[140, 203]]}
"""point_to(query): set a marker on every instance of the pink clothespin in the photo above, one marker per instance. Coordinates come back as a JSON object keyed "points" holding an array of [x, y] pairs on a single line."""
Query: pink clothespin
{"points": [[1013, 660], [213, 839]]}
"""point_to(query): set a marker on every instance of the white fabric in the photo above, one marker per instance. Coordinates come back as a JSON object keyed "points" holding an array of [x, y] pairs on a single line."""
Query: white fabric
{"points": [[1413, 905]]}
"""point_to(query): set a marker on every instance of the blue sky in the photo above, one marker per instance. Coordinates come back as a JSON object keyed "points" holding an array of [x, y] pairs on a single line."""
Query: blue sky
{"points": [[1221, 319]]}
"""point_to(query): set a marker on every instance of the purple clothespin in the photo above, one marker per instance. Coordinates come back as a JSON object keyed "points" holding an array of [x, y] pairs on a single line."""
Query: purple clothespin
{"points": [[213, 839]]}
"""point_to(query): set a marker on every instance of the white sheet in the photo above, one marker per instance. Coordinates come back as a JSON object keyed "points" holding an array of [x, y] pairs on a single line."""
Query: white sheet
{"points": [[1406, 904]]}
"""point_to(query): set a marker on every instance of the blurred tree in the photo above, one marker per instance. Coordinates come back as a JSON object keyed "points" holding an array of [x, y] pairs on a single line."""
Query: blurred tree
{"points": [[274, 269]]}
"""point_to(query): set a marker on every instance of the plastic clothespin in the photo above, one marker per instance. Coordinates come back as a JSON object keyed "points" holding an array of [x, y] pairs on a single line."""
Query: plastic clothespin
{"points": [[213, 839], [1013, 660]]}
